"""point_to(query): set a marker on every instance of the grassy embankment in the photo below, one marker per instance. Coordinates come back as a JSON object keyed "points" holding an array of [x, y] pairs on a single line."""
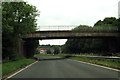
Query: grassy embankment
{"points": [[104, 62], [100, 61], [0, 70], [12, 66]]}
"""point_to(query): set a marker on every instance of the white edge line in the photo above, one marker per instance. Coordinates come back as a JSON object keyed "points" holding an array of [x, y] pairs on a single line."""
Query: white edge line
{"points": [[21, 70], [97, 65]]}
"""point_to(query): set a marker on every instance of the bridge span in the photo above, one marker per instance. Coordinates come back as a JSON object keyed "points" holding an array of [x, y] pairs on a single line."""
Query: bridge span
{"points": [[66, 34]]}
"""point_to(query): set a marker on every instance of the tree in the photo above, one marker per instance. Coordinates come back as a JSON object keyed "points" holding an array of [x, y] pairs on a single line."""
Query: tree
{"points": [[111, 21], [18, 18], [56, 49], [49, 51]]}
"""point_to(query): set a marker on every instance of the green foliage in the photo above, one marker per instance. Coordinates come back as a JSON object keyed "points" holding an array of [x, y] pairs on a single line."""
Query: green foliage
{"points": [[82, 28], [15, 65], [107, 21], [18, 18], [48, 51], [1, 70], [84, 46], [105, 62], [109, 24], [56, 49], [93, 45]]}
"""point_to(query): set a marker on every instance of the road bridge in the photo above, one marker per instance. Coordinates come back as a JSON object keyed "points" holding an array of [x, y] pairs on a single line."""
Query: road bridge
{"points": [[110, 34], [111, 37], [66, 34]]}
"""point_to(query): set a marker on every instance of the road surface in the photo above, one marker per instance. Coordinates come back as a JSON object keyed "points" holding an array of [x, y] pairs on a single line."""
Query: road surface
{"points": [[51, 67]]}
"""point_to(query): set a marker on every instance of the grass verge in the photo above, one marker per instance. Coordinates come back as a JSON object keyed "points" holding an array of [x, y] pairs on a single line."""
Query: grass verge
{"points": [[47, 55], [0, 70], [104, 62], [13, 66], [39, 55]]}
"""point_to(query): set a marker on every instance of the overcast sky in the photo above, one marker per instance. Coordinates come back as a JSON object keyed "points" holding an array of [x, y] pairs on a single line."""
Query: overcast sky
{"points": [[73, 12]]}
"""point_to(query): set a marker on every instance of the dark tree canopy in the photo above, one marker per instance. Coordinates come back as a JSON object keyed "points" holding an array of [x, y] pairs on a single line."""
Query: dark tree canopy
{"points": [[97, 46], [18, 18]]}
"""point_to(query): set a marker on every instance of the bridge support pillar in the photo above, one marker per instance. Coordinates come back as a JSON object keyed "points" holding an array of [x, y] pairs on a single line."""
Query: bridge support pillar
{"points": [[21, 47]]}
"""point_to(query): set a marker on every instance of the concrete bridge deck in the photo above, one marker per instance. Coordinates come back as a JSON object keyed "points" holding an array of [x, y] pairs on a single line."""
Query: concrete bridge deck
{"points": [[65, 34]]}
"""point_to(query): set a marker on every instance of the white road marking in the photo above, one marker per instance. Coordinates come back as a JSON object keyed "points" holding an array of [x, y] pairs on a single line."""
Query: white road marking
{"points": [[20, 70], [97, 65]]}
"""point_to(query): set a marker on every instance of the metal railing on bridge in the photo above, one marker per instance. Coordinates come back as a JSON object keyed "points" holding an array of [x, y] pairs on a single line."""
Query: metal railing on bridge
{"points": [[75, 28], [56, 27]]}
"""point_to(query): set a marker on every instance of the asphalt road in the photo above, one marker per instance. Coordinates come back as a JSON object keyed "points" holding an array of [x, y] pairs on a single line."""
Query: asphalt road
{"points": [[51, 67]]}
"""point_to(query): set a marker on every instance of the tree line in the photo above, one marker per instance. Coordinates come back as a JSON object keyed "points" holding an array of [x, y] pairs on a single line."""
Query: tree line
{"points": [[101, 46]]}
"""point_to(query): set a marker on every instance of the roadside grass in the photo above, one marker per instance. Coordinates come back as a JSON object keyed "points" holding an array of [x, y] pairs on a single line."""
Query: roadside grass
{"points": [[0, 70], [104, 62], [38, 55], [12, 66], [55, 55]]}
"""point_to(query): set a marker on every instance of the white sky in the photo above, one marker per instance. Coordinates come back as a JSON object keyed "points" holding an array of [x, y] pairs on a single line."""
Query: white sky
{"points": [[73, 12]]}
